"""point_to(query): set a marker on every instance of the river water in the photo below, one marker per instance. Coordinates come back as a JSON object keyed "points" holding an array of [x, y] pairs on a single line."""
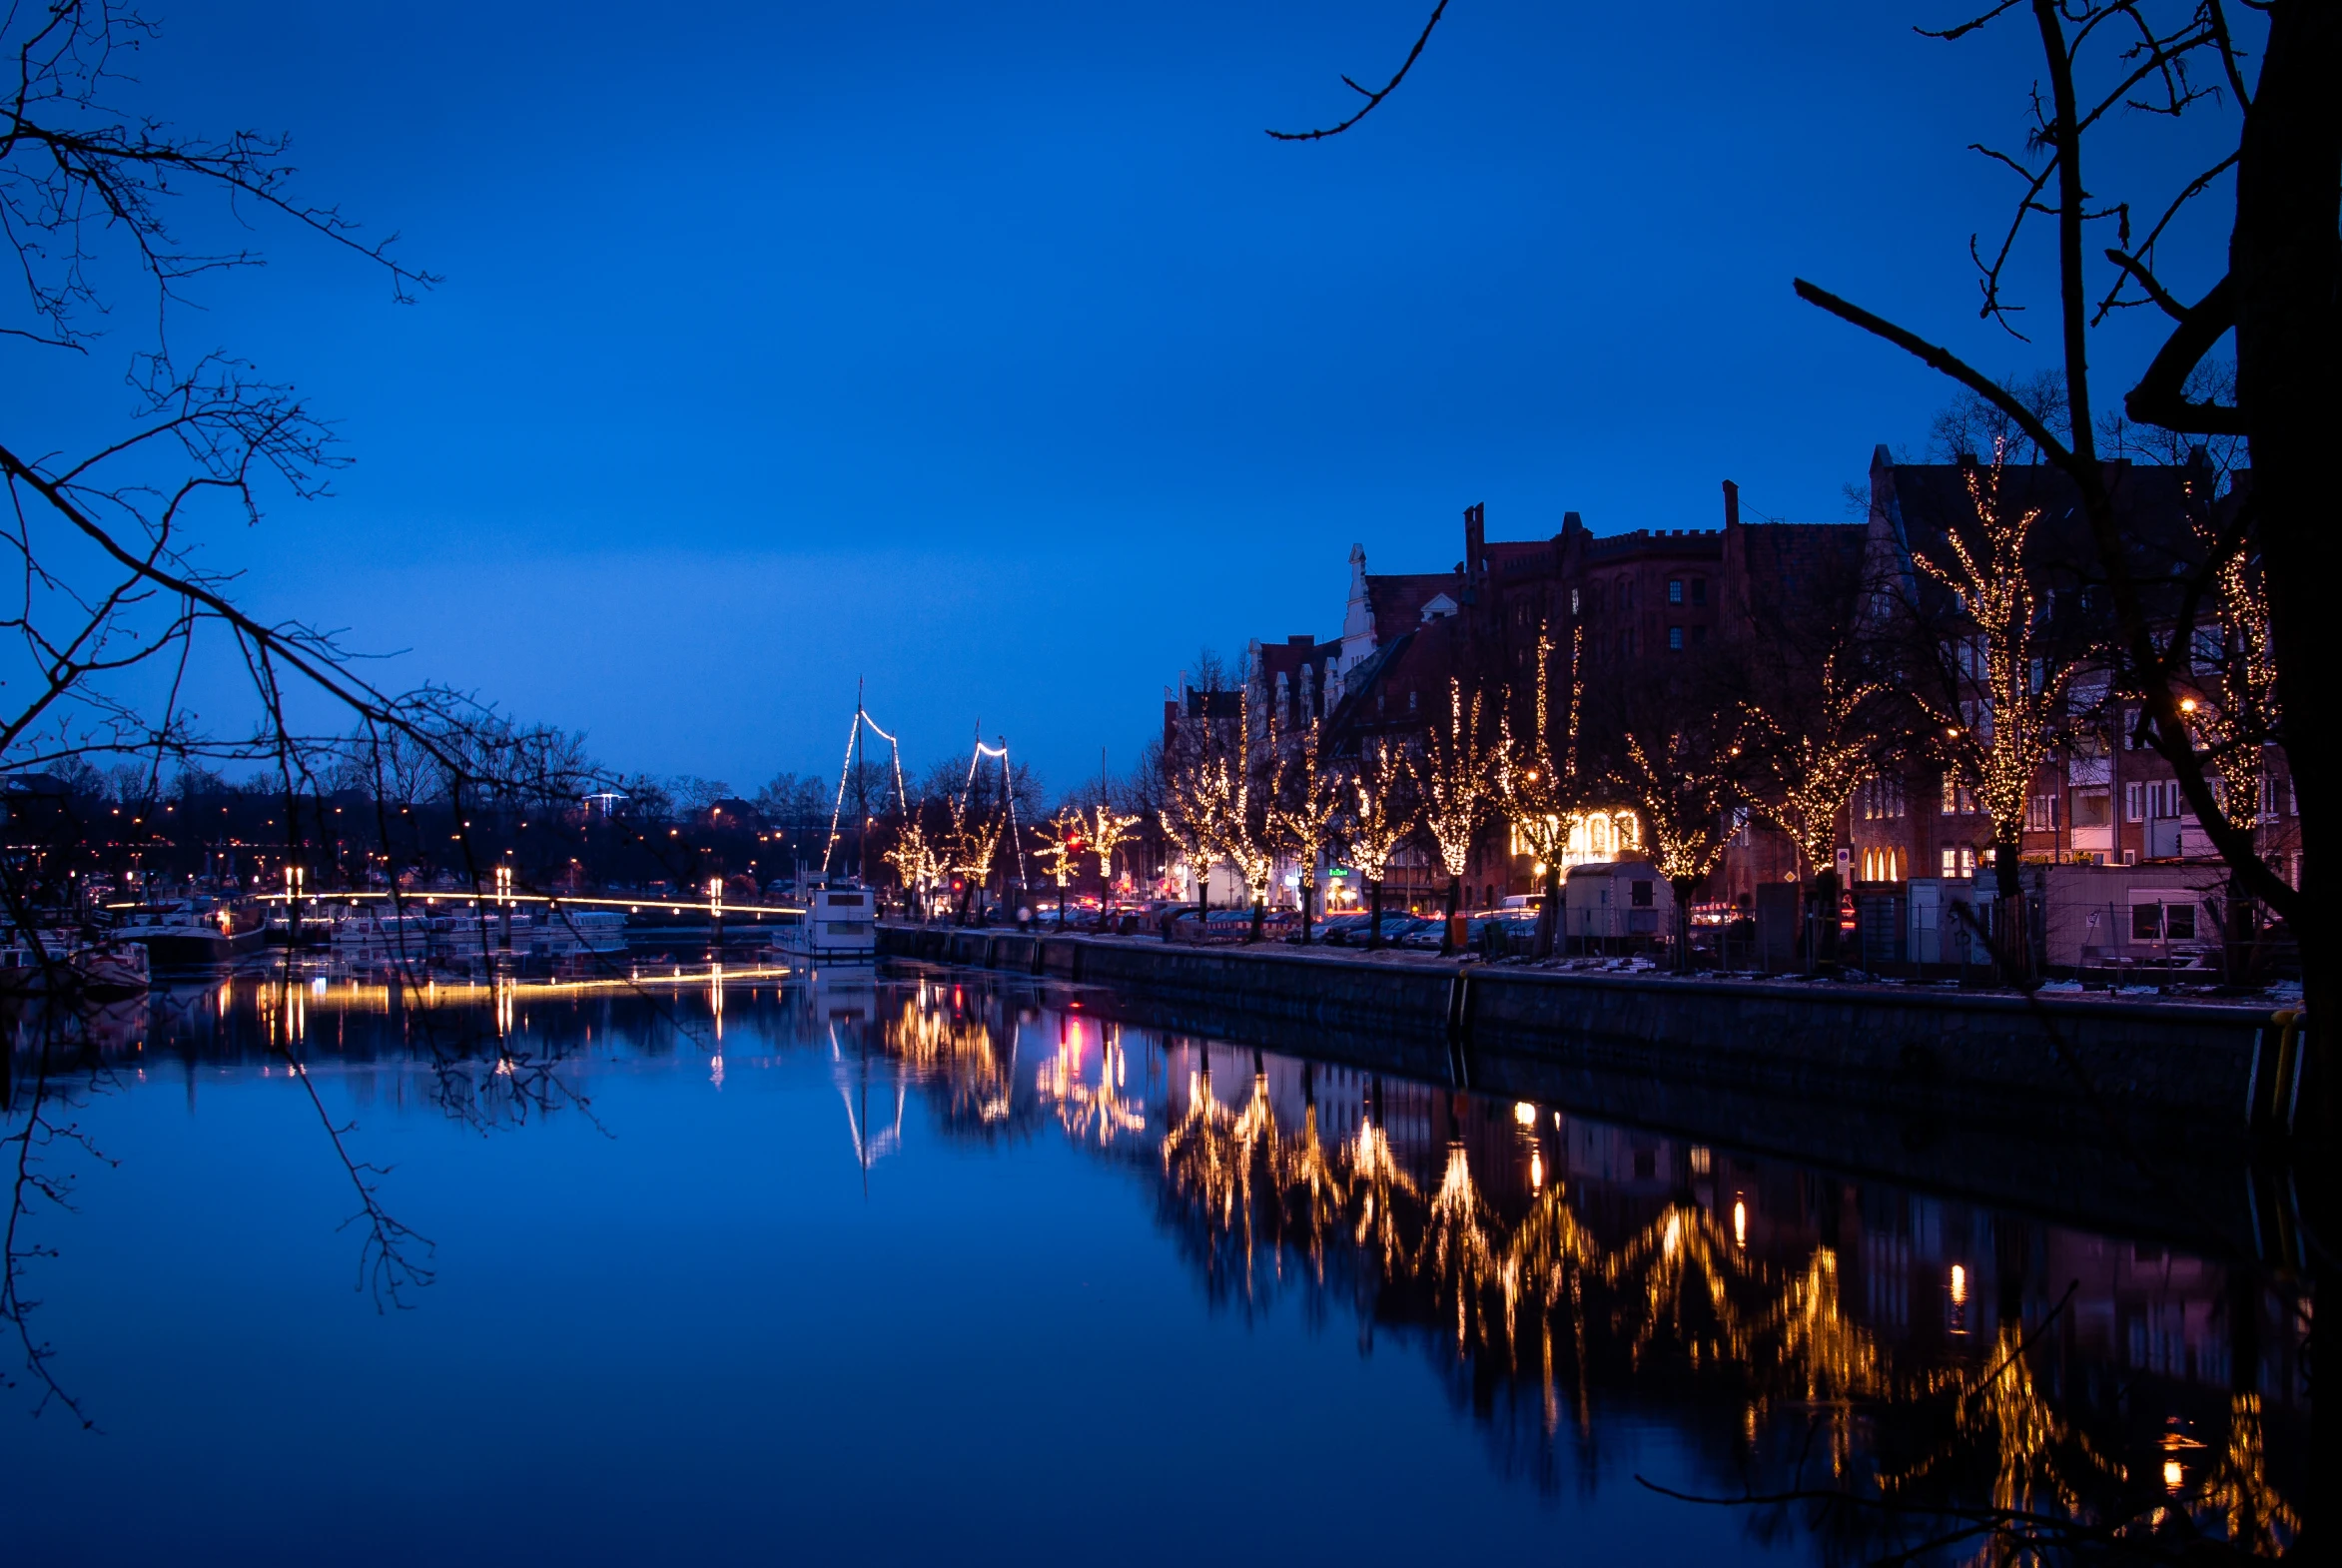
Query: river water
{"points": [[943, 1267]]}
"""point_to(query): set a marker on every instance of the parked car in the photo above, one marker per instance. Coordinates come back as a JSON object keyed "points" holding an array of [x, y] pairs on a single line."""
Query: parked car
{"points": [[1334, 928], [1354, 933]]}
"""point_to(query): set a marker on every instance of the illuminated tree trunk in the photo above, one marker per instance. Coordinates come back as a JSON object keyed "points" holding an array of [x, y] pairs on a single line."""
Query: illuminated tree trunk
{"points": [[1684, 887], [2011, 939], [1549, 917], [1374, 915], [1309, 897], [1825, 897], [1455, 888]]}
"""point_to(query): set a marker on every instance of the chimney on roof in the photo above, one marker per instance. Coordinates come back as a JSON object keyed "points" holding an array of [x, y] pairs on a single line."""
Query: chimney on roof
{"points": [[1303, 641], [1731, 504], [1968, 459], [1475, 535]]}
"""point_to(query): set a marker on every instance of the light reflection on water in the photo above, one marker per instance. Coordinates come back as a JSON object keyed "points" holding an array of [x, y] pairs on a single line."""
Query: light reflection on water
{"points": [[878, 1266]]}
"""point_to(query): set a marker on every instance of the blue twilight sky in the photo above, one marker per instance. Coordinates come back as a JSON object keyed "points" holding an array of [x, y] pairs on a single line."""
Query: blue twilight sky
{"points": [[992, 353]]}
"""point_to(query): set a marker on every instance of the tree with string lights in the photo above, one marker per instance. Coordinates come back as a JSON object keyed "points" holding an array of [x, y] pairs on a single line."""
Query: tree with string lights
{"points": [[1308, 806], [1803, 760], [1457, 776], [1108, 830], [1187, 818], [1378, 815], [1997, 681], [973, 843], [915, 862], [1063, 843], [1682, 795], [1537, 788], [1242, 829]]}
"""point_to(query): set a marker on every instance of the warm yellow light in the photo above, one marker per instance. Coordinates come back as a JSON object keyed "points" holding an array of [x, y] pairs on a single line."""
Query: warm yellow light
{"points": [[1525, 1114], [1740, 1223], [2173, 1474], [2187, 704], [1958, 1286]]}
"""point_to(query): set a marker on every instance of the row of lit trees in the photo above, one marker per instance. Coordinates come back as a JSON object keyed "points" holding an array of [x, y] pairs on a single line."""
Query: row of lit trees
{"points": [[1972, 659]]}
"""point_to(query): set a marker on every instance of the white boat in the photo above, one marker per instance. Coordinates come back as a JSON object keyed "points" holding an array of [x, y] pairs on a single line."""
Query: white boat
{"points": [[839, 926], [569, 933], [480, 933], [371, 933]]}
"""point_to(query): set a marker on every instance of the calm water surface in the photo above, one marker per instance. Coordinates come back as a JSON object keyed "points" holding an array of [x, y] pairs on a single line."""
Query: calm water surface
{"points": [[947, 1268]]}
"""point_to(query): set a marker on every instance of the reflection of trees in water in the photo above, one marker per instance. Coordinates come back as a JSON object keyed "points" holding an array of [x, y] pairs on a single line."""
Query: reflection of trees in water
{"points": [[1538, 1319], [471, 1049], [966, 1048]]}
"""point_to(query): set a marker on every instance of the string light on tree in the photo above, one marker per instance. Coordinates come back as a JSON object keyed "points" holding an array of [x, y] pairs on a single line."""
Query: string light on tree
{"points": [[1457, 776]]}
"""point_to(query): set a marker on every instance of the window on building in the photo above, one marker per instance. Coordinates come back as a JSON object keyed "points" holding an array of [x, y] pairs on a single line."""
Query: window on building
{"points": [[2040, 814], [1626, 593], [2135, 802], [2147, 922], [2179, 922], [1699, 590], [2092, 808], [1410, 699], [1573, 601], [1699, 635], [1675, 639], [1674, 590]]}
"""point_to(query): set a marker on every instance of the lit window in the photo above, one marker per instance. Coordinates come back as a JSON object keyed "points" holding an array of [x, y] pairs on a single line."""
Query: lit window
{"points": [[1699, 590], [1675, 639], [1674, 590]]}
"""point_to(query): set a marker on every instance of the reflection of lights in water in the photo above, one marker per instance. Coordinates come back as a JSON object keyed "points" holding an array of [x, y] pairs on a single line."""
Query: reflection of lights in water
{"points": [[715, 1073], [1701, 1159], [1525, 1114], [1740, 1223], [1958, 1286], [1536, 1169], [1672, 1238], [2173, 1474]]}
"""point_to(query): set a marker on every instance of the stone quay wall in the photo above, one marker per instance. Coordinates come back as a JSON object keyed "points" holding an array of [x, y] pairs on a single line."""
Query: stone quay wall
{"points": [[1945, 1052]]}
